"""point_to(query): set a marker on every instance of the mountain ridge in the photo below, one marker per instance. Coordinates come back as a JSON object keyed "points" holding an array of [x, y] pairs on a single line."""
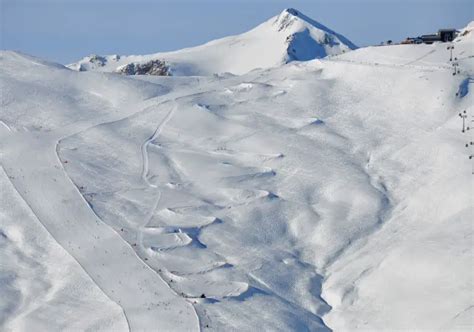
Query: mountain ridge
{"points": [[289, 36]]}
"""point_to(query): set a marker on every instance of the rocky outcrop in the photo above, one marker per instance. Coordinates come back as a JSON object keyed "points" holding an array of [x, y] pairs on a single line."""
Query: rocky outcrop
{"points": [[152, 67], [93, 60]]}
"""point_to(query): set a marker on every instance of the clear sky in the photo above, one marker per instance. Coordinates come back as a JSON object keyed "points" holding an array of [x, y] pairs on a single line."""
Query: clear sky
{"points": [[66, 30]]}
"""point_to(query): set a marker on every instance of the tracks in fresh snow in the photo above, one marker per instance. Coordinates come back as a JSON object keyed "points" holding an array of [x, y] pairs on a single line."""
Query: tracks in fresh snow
{"points": [[145, 144], [170, 244], [407, 66], [420, 58], [110, 262]]}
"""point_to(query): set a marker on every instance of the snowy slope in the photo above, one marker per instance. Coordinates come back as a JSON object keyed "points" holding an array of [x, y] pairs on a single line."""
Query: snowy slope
{"points": [[287, 37], [416, 271], [417, 56], [60, 102], [329, 194]]}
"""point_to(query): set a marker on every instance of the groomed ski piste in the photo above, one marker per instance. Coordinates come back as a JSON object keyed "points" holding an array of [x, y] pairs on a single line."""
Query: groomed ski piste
{"points": [[328, 194]]}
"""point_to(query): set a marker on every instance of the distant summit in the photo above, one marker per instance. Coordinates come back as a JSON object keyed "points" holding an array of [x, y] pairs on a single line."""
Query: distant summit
{"points": [[289, 36], [308, 39]]}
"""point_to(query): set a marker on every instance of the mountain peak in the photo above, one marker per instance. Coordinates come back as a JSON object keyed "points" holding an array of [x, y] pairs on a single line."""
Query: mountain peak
{"points": [[291, 19], [291, 11], [286, 18], [293, 15], [289, 36]]}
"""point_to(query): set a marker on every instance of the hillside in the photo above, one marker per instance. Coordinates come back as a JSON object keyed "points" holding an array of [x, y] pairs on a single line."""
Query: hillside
{"points": [[318, 195], [287, 37]]}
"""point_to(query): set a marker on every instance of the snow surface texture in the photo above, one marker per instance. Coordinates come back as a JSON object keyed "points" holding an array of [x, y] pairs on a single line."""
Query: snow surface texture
{"points": [[287, 37], [329, 194]]}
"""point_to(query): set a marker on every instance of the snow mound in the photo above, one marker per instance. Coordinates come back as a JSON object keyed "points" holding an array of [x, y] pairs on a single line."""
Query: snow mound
{"points": [[290, 36]]}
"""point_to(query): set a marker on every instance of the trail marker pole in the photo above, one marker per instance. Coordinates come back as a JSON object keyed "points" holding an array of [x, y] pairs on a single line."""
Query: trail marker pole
{"points": [[455, 67], [450, 48], [463, 116]]}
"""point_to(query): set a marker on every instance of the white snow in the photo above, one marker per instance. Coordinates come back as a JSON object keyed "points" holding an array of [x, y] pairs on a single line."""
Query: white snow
{"points": [[327, 194], [287, 37]]}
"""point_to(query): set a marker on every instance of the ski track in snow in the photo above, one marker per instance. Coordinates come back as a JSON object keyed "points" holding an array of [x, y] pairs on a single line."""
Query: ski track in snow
{"points": [[269, 194], [78, 241], [87, 271], [5, 125], [148, 141], [186, 231], [420, 58]]}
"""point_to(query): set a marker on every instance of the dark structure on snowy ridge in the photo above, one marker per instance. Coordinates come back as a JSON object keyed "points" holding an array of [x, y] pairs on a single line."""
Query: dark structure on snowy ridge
{"points": [[443, 35]]}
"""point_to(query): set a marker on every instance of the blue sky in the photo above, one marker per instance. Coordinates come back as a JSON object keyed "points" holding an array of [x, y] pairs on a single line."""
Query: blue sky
{"points": [[66, 30]]}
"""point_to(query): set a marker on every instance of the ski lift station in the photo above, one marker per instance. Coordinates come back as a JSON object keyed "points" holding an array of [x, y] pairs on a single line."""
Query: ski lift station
{"points": [[443, 35]]}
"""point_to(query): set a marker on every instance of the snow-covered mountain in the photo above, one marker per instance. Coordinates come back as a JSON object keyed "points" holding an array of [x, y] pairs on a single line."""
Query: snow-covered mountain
{"points": [[318, 195], [287, 37]]}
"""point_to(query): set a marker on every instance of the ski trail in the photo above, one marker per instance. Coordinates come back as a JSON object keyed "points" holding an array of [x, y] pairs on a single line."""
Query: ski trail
{"points": [[145, 162], [74, 258], [145, 171], [5, 125], [403, 66], [112, 264], [420, 58], [144, 147]]}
